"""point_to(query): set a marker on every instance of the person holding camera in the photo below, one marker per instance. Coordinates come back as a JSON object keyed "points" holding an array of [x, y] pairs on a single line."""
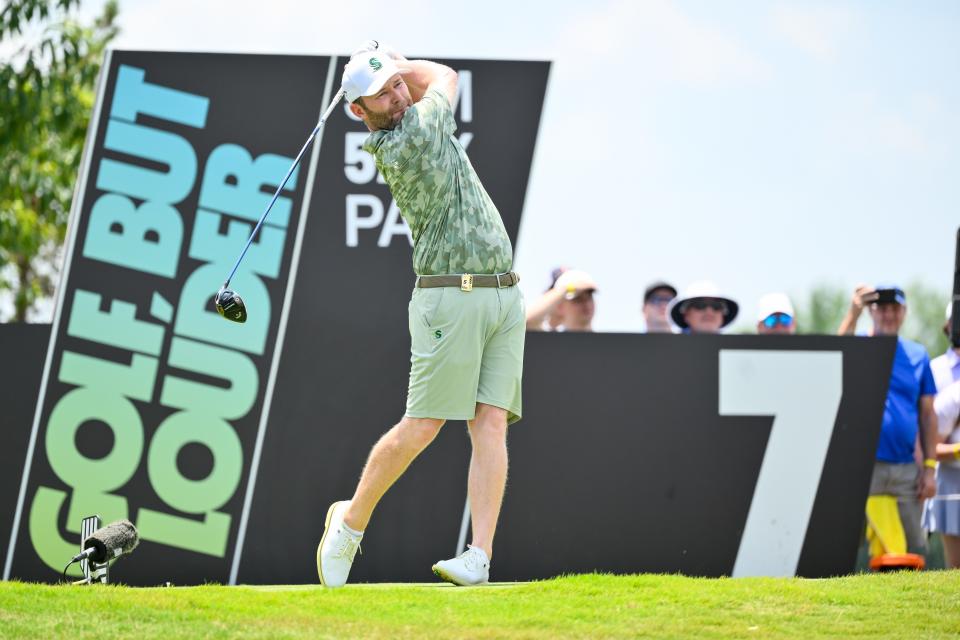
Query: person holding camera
{"points": [[908, 412]]}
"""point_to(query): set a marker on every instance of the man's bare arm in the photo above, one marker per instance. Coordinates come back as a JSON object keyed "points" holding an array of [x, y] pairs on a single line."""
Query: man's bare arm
{"points": [[421, 75], [926, 482], [862, 296], [929, 433]]}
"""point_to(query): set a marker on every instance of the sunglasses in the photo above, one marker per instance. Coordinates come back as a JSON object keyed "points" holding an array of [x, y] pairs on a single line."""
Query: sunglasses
{"points": [[659, 299], [702, 304], [774, 319]]}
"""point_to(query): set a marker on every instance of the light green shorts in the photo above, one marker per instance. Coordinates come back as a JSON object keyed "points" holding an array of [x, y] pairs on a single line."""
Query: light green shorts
{"points": [[465, 347]]}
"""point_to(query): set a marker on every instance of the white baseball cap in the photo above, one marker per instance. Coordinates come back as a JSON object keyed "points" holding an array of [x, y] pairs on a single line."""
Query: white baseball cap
{"points": [[366, 73], [573, 282], [774, 303]]}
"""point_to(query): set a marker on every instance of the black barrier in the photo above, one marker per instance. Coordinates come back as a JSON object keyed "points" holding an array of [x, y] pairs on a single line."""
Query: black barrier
{"points": [[644, 453], [636, 453], [23, 347], [623, 461]]}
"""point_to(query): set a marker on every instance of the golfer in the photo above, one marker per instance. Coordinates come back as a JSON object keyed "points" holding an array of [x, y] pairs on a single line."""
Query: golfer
{"points": [[466, 315]]}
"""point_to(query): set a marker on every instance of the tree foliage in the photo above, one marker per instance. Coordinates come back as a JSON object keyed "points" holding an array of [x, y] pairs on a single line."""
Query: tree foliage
{"points": [[46, 97], [826, 305]]}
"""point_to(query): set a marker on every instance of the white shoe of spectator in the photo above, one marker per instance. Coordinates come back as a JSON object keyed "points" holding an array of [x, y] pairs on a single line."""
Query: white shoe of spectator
{"points": [[337, 548], [469, 568]]}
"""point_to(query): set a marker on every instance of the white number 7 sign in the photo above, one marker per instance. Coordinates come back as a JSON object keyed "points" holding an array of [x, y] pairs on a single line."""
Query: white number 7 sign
{"points": [[802, 391]]}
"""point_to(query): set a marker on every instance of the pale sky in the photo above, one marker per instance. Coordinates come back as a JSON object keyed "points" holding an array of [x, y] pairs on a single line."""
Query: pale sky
{"points": [[766, 145]]}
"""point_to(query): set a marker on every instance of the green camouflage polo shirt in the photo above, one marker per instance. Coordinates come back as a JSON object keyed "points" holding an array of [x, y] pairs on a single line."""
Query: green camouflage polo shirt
{"points": [[456, 227]]}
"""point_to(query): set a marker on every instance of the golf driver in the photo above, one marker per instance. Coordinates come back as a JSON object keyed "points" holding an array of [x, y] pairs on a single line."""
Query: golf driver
{"points": [[228, 302]]}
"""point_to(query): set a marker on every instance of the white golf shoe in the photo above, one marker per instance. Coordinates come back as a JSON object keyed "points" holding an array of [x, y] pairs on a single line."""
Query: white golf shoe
{"points": [[469, 568], [337, 547]]}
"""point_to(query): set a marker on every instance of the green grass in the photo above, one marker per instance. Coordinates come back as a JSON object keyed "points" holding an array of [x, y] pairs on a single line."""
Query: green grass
{"points": [[921, 605]]}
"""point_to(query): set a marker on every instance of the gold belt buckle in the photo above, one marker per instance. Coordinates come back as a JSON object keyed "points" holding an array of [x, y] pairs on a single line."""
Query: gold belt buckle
{"points": [[466, 282]]}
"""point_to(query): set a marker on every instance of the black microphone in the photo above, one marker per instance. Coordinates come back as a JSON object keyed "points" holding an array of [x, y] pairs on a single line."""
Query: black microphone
{"points": [[109, 542]]}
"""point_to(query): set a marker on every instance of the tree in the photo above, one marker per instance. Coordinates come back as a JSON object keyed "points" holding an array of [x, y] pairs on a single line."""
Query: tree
{"points": [[824, 311], [925, 317], [46, 97]]}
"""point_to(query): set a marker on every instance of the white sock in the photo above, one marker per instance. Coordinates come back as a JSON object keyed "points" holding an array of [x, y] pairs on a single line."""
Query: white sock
{"points": [[351, 531]]}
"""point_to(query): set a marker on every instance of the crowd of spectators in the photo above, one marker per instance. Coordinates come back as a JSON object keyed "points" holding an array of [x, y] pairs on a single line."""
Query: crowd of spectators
{"points": [[918, 455], [568, 304]]}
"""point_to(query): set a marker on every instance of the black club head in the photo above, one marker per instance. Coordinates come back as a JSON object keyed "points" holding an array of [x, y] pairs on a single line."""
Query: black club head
{"points": [[230, 305]]}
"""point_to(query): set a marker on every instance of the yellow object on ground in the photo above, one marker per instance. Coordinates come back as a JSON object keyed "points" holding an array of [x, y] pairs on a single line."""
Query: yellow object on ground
{"points": [[884, 529]]}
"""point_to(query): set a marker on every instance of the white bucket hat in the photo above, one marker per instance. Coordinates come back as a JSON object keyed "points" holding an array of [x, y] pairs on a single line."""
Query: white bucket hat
{"points": [[701, 289]]}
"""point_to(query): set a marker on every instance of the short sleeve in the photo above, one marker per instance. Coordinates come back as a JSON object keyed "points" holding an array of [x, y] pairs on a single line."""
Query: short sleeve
{"points": [[927, 385], [430, 118]]}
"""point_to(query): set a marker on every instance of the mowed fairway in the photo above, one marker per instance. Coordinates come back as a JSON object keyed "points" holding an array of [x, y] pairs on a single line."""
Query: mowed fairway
{"points": [[904, 605]]}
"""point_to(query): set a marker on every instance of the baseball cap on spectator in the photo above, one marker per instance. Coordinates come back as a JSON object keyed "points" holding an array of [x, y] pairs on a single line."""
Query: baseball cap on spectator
{"points": [[774, 303], [563, 274], [701, 289], [890, 293], [660, 284]]}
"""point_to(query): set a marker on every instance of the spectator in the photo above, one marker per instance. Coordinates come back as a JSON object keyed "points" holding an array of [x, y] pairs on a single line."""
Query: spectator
{"points": [[775, 315], [703, 309], [942, 513], [656, 300], [908, 412], [567, 305]]}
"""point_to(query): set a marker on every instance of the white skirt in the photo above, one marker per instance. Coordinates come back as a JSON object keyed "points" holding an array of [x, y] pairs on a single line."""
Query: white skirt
{"points": [[942, 512]]}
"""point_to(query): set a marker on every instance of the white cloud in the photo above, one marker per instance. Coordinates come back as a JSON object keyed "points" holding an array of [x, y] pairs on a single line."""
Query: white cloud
{"points": [[819, 31]]}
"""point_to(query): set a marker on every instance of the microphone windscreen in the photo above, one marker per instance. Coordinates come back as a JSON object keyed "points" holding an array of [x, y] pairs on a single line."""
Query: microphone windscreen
{"points": [[117, 538]]}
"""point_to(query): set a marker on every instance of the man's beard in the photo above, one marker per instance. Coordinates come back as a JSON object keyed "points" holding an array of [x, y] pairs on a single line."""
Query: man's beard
{"points": [[381, 120]]}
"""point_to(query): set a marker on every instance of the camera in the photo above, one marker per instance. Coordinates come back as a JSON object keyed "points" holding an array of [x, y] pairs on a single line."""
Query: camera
{"points": [[886, 296]]}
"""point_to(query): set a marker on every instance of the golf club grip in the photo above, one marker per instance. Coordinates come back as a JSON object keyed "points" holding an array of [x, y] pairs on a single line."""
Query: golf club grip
{"points": [[253, 234], [955, 311]]}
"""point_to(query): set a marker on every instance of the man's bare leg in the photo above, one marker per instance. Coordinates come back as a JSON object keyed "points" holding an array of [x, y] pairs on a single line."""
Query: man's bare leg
{"points": [[951, 551], [488, 473], [389, 458]]}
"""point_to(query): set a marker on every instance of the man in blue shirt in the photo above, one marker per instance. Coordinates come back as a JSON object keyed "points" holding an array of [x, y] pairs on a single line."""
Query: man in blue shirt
{"points": [[908, 412]]}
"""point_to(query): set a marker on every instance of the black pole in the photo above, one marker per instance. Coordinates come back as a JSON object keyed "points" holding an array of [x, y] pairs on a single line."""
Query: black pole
{"points": [[955, 311]]}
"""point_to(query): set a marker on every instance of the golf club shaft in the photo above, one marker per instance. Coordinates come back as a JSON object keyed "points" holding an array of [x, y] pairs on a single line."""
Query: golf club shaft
{"points": [[323, 118]]}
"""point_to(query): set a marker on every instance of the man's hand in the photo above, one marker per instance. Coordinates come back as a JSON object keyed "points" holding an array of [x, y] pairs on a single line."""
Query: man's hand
{"points": [[926, 483], [862, 296]]}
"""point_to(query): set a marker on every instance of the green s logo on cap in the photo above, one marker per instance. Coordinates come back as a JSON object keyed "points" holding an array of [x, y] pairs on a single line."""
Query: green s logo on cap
{"points": [[375, 64]]}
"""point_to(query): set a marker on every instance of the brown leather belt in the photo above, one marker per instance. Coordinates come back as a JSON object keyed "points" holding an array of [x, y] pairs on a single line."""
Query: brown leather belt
{"points": [[467, 281]]}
